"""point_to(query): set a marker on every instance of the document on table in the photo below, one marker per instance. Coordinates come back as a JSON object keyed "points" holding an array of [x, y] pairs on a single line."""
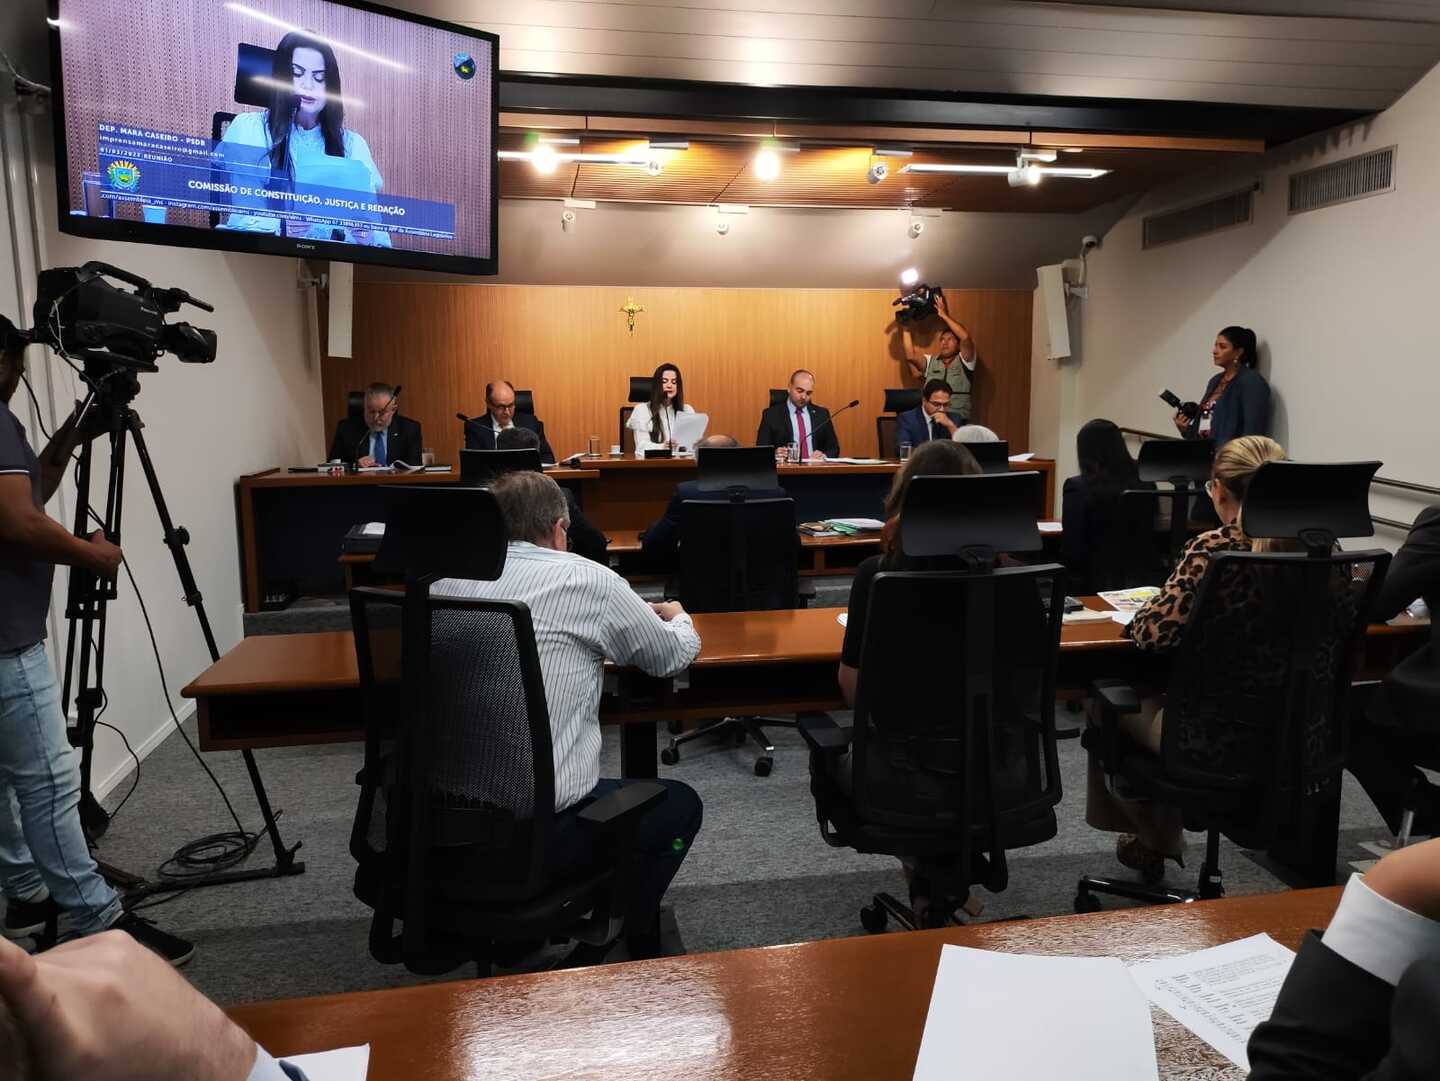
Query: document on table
{"points": [[856, 461], [843, 619], [1129, 600], [1022, 457], [342, 1064], [373, 529], [1222, 993], [689, 428], [858, 523], [983, 1013]]}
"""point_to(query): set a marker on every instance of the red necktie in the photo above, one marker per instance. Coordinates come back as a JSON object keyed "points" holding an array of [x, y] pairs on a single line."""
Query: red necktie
{"points": [[800, 428]]}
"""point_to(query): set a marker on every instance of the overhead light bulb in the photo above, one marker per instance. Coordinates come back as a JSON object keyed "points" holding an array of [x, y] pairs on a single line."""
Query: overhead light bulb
{"points": [[1032, 174], [544, 158], [909, 276], [767, 164]]}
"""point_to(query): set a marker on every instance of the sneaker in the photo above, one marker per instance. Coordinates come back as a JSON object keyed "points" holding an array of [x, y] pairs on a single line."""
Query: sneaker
{"points": [[174, 949], [26, 919]]}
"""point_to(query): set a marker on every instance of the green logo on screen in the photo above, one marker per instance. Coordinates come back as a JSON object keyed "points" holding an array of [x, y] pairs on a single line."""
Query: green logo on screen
{"points": [[123, 175]]}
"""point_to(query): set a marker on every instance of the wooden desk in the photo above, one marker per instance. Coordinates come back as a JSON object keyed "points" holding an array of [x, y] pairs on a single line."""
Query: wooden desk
{"points": [[849, 1009]]}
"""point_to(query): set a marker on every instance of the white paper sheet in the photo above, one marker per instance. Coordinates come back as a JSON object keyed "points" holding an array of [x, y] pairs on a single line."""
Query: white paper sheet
{"points": [[1048, 527], [1086, 615], [857, 461], [1022, 457], [843, 619], [984, 1010], [689, 428], [1122, 618], [373, 529], [858, 523], [342, 1064], [1222, 993]]}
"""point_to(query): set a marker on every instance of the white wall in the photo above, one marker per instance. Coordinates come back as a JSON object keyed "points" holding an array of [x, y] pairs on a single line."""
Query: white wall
{"points": [[1344, 300], [257, 405]]}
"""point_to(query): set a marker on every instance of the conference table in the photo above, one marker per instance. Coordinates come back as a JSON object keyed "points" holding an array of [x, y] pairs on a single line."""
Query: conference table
{"points": [[290, 525], [846, 1009]]}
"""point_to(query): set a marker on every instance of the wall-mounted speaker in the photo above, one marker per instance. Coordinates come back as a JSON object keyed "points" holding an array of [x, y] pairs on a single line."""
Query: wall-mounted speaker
{"points": [[1057, 319]]}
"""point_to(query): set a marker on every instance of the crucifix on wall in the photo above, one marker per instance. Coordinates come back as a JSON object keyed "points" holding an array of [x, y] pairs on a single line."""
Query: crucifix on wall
{"points": [[630, 311]]}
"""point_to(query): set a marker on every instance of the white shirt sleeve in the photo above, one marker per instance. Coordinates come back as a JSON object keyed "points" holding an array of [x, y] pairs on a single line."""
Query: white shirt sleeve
{"points": [[633, 635], [1374, 933], [639, 423]]}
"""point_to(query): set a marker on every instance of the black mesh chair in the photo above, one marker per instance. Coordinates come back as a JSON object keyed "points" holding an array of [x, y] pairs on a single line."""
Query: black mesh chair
{"points": [[948, 771], [640, 390], [737, 556], [457, 792], [1256, 707], [897, 401], [779, 397], [471, 426], [1184, 464]]}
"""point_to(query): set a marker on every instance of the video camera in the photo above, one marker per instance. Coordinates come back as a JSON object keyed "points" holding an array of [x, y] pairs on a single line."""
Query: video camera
{"points": [[81, 315], [917, 304], [1191, 410]]}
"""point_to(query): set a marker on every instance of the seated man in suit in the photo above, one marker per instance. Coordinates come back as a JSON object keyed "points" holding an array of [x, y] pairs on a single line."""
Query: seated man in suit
{"points": [[1361, 1000], [480, 433], [797, 421], [660, 542], [584, 614], [585, 539], [929, 420], [381, 437]]}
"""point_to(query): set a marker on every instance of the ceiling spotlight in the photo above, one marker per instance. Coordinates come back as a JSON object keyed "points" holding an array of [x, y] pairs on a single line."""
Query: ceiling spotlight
{"points": [[916, 228], [878, 171], [909, 276], [1026, 176], [544, 158], [654, 166], [767, 164]]}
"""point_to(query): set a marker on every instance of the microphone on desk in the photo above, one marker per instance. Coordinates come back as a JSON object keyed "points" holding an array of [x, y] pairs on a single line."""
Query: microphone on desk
{"points": [[827, 422], [366, 437]]}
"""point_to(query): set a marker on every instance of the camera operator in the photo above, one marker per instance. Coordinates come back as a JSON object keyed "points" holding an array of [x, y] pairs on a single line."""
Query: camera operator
{"points": [[954, 362], [46, 871]]}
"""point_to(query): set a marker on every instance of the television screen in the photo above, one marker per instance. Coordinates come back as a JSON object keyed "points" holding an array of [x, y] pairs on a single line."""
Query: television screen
{"points": [[292, 127]]}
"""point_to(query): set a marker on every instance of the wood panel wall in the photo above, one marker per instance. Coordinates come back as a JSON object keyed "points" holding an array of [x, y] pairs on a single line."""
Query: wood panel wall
{"points": [[570, 346]]}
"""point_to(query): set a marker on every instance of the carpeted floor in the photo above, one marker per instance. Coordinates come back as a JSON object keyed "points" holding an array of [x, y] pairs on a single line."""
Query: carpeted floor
{"points": [[759, 874]]}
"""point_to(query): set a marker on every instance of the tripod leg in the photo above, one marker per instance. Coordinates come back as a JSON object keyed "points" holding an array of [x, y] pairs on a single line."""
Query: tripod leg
{"points": [[175, 540]]}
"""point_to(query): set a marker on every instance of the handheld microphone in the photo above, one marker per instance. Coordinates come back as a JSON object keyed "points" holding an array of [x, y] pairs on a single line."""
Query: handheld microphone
{"points": [[366, 437], [828, 421]]}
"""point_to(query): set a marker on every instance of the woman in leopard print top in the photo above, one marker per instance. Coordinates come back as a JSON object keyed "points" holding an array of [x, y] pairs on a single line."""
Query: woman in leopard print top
{"points": [[1152, 832]]}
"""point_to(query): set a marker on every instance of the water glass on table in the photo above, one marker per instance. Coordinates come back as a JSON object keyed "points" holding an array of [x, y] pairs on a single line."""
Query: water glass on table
{"points": [[594, 447], [905, 449], [427, 456]]}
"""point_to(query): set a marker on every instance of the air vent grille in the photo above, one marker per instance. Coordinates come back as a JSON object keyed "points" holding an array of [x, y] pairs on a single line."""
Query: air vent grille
{"points": [[1343, 181], [1199, 219]]}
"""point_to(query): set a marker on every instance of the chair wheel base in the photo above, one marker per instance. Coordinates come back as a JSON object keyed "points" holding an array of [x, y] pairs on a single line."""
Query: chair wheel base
{"points": [[873, 918], [763, 766], [670, 755], [1087, 902]]}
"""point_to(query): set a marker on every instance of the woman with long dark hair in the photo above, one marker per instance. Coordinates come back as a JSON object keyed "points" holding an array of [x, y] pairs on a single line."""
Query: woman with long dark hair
{"points": [[303, 125], [1105, 541], [653, 422], [1237, 398]]}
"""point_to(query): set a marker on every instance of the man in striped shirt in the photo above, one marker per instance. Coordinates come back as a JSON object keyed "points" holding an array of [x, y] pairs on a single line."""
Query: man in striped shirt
{"points": [[583, 614]]}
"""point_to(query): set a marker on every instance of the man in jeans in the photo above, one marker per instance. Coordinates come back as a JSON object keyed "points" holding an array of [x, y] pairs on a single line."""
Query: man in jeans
{"points": [[46, 870]]}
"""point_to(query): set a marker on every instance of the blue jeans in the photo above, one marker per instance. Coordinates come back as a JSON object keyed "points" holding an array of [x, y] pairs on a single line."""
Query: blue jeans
{"points": [[42, 846]]}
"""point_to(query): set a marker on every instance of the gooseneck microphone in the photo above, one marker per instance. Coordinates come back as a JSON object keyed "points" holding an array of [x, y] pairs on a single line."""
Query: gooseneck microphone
{"points": [[829, 421], [366, 437]]}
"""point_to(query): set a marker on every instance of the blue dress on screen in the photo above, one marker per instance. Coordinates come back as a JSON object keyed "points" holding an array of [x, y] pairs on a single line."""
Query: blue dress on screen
{"points": [[306, 145]]}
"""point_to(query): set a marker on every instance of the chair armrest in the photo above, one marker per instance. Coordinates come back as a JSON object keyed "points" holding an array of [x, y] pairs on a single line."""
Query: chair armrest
{"points": [[1116, 699], [622, 807], [824, 735], [804, 593]]}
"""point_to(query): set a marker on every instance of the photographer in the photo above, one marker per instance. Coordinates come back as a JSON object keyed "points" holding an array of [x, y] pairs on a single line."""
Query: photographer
{"points": [[46, 871], [954, 363]]}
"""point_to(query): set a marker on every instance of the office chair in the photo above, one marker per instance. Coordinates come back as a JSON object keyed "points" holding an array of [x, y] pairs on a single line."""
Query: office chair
{"points": [[737, 556], [949, 766], [897, 401], [253, 63], [525, 402], [471, 426], [1256, 708], [1185, 465], [457, 793], [640, 389], [779, 397]]}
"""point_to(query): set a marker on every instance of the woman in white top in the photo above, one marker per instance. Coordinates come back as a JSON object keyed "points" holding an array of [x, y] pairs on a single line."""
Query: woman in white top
{"points": [[653, 422], [304, 125]]}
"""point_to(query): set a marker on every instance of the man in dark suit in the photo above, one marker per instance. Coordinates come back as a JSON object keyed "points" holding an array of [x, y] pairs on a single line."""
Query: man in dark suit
{"points": [[796, 421], [1361, 1002], [661, 541], [501, 414], [381, 436], [929, 420], [1400, 725]]}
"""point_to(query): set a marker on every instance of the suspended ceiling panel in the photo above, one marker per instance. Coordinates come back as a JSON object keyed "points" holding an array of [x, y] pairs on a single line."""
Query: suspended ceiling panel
{"points": [[1307, 58]]}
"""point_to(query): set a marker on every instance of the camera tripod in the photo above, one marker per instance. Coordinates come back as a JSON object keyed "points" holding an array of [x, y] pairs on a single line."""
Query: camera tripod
{"points": [[85, 614]]}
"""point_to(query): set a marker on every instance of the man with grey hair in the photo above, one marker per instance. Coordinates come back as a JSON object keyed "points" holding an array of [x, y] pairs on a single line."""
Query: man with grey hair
{"points": [[584, 614], [381, 437]]}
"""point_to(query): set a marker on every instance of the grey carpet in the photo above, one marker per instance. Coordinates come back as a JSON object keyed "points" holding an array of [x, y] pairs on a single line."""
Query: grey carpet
{"points": [[759, 874]]}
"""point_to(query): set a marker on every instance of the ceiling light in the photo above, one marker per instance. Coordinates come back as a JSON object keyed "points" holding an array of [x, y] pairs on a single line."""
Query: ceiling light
{"points": [[1024, 176], [767, 164], [1003, 170], [1072, 149], [909, 276], [558, 140], [1037, 155], [891, 152], [545, 159]]}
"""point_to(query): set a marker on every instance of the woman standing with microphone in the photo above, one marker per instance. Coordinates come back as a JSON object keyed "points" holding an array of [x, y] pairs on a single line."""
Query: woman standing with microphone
{"points": [[1237, 398]]}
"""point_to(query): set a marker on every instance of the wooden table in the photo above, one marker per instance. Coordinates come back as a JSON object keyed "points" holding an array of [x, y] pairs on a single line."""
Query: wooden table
{"points": [[849, 1009]]}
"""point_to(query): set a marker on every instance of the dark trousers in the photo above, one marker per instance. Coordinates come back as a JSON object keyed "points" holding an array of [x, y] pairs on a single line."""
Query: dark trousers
{"points": [[659, 847], [1383, 758]]}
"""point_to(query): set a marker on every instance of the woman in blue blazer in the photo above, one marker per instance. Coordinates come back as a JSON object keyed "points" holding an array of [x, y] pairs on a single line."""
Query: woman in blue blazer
{"points": [[1237, 398]]}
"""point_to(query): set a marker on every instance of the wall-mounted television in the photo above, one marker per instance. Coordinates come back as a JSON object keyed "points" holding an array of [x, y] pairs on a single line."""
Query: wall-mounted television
{"points": [[316, 128]]}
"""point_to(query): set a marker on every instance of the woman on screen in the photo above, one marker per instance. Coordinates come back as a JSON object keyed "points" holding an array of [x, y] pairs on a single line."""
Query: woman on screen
{"points": [[302, 128], [653, 422]]}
